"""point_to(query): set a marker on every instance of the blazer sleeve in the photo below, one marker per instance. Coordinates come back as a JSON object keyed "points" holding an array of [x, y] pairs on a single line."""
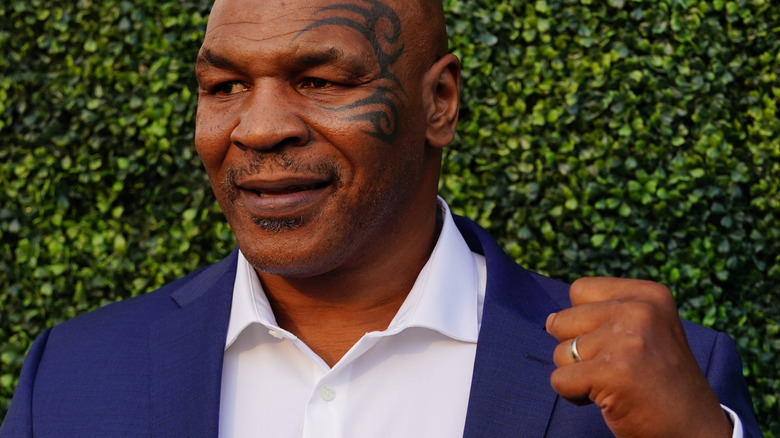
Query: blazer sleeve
{"points": [[18, 421], [724, 372]]}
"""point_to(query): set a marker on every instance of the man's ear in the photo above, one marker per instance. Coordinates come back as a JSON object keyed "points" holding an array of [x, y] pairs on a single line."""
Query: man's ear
{"points": [[441, 95]]}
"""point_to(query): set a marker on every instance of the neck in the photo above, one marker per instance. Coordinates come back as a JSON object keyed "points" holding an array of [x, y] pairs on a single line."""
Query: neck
{"points": [[332, 311]]}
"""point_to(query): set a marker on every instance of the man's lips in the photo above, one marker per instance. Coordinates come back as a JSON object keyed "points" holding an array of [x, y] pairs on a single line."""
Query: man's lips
{"points": [[286, 190], [282, 186], [282, 197]]}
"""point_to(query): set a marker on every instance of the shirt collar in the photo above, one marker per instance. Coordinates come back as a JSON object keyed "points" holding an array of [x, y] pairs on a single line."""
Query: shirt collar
{"points": [[446, 297], [250, 305]]}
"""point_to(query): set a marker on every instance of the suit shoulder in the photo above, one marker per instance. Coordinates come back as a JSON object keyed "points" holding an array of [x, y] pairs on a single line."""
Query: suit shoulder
{"points": [[137, 311]]}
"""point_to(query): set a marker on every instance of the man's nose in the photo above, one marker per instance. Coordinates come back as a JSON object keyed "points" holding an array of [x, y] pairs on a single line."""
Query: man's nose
{"points": [[268, 119]]}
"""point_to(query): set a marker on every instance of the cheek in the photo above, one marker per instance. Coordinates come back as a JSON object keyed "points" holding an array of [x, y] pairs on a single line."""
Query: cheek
{"points": [[212, 136]]}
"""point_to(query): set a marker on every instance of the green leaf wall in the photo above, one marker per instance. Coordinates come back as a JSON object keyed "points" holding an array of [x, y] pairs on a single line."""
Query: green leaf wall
{"points": [[597, 137]]}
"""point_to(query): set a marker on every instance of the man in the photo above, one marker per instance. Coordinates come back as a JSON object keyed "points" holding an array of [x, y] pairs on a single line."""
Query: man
{"points": [[356, 305]]}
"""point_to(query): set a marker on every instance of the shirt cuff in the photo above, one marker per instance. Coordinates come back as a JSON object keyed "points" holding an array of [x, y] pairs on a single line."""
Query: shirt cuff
{"points": [[737, 431]]}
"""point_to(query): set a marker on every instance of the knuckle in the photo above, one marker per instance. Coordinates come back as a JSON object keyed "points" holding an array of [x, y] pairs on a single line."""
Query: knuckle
{"points": [[559, 355], [657, 292], [622, 365], [635, 346], [576, 289], [585, 289], [634, 317], [557, 381], [642, 313]]}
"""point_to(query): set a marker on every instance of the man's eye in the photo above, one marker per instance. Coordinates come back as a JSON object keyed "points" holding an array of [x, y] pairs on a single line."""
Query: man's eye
{"points": [[232, 87], [315, 83]]}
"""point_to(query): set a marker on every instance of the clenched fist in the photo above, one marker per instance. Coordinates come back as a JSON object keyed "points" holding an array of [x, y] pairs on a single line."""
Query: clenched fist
{"points": [[632, 359]]}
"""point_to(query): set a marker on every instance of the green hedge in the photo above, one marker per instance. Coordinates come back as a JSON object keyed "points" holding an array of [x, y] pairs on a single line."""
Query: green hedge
{"points": [[635, 138]]}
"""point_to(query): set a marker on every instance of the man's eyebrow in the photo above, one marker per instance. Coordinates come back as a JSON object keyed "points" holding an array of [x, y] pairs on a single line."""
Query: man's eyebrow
{"points": [[301, 61], [315, 58], [332, 55], [207, 58]]}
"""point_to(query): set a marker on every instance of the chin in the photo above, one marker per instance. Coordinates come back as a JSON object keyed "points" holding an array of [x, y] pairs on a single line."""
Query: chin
{"points": [[289, 264], [292, 248]]}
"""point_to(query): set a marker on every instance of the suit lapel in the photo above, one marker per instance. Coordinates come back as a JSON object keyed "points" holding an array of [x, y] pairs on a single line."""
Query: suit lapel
{"points": [[186, 352], [510, 390]]}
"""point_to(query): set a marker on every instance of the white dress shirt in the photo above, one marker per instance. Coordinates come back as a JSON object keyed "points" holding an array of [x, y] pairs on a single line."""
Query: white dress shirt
{"points": [[410, 380]]}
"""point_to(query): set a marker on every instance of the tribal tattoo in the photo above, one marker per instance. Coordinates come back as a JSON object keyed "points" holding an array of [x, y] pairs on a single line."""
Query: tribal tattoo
{"points": [[387, 48]]}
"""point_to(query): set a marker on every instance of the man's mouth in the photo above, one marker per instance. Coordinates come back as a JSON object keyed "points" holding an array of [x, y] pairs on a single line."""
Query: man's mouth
{"points": [[284, 197], [281, 191]]}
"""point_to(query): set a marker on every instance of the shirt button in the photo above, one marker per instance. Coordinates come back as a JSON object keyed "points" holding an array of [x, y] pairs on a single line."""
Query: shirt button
{"points": [[327, 393], [275, 334]]}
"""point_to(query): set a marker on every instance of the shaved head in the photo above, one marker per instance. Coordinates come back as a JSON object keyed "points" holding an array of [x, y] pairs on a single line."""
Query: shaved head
{"points": [[423, 21], [431, 22]]}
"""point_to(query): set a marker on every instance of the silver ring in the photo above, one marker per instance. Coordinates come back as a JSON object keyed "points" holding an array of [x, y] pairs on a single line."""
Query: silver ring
{"points": [[573, 350]]}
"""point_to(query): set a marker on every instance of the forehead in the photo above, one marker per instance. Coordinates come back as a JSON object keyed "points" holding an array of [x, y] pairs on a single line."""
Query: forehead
{"points": [[263, 13], [280, 22]]}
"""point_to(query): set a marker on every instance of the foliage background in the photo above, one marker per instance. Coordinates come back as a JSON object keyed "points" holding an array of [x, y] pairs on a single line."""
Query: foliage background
{"points": [[632, 138]]}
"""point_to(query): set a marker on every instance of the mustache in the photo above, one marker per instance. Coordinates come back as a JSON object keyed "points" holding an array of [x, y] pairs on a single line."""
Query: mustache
{"points": [[265, 163]]}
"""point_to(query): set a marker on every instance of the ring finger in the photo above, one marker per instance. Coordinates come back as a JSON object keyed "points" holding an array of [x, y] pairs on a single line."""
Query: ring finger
{"points": [[568, 351]]}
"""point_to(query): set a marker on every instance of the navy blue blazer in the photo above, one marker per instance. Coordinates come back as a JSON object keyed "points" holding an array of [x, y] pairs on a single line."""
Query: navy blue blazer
{"points": [[151, 366]]}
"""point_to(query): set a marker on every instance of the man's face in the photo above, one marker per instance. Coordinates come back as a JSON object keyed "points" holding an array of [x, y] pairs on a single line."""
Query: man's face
{"points": [[311, 129]]}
